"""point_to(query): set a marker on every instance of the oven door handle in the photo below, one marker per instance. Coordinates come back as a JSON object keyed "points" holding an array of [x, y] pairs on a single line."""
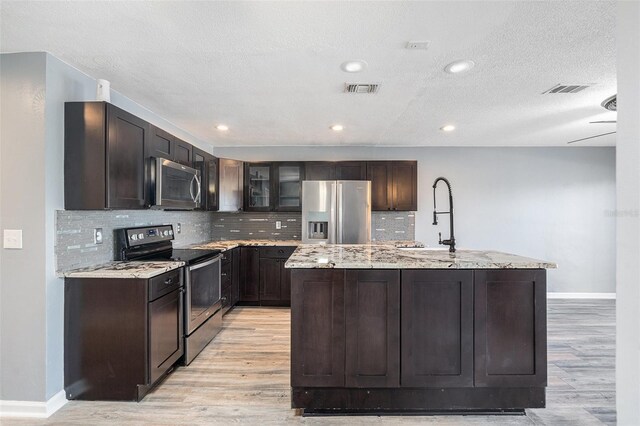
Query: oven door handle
{"points": [[203, 264]]}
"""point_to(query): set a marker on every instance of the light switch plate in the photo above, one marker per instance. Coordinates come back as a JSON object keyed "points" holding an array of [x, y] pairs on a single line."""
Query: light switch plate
{"points": [[278, 224], [13, 238]]}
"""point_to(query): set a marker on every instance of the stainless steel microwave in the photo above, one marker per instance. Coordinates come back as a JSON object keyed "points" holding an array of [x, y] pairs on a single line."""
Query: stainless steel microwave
{"points": [[175, 186]]}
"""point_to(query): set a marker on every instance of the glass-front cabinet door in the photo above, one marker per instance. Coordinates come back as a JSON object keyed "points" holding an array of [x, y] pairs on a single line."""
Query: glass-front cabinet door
{"points": [[258, 196], [288, 178]]}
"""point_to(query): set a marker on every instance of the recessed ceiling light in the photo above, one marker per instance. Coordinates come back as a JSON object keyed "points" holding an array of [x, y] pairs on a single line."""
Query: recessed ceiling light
{"points": [[222, 127], [337, 127], [353, 66], [448, 128], [459, 66]]}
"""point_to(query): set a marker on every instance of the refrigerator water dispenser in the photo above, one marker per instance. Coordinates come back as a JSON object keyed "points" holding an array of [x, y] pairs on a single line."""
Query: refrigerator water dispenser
{"points": [[318, 230]]}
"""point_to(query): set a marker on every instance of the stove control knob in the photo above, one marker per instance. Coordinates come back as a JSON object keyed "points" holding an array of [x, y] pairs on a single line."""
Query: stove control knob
{"points": [[133, 237], [165, 233], [170, 232], [141, 236]]}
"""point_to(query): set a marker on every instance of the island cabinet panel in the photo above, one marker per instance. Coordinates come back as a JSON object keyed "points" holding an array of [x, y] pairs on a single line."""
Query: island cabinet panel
{"points": [[437, 328], [510, 328], [372, 312], [317, 328], [249, 274]]}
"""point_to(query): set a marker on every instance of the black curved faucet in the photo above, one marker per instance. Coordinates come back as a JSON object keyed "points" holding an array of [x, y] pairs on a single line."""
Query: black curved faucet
{"points": [[451, 242]]}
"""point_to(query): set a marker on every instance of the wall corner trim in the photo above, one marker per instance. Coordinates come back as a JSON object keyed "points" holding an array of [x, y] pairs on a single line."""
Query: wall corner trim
{"points": [[554, 295], [33, 409]]}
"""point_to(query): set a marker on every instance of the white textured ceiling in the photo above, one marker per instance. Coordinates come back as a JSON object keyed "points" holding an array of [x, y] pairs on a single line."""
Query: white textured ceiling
{"points": [[271, 70]]}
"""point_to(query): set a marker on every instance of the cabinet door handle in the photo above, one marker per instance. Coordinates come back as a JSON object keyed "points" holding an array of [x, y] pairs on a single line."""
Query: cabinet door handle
{"points": [[224, 274]]}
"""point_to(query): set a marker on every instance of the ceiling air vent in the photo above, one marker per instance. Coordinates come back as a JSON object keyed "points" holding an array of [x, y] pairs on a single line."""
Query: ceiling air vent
{"points": [[566, 88], [361, 87]]}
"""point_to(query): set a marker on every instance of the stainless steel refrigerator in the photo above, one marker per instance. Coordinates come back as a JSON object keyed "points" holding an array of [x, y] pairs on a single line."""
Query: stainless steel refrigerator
{"points": [[336, 211]]}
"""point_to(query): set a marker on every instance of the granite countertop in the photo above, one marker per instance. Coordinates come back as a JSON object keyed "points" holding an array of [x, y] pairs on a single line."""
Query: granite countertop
{"points": [[120, 269], [230, 244], [389, 256]]}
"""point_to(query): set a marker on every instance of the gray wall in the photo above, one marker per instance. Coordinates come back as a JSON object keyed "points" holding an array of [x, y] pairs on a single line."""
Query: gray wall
{"points": [[23, 325], [34, 89], [628, 213], [551, 203]]}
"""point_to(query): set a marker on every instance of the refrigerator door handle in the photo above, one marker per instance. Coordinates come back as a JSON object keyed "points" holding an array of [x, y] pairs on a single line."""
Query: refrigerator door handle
{"points": [[340, 215]]}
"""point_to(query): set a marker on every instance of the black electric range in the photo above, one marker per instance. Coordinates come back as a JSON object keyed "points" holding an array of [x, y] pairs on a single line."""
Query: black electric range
{"points": [[155, 243]]}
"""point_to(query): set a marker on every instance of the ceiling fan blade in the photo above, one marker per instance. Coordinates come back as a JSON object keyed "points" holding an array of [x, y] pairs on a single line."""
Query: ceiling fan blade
{"points": [[591, 137], [603, 122]]}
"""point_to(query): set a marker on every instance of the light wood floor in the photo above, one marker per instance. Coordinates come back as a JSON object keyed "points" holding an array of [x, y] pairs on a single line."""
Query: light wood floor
{"points": [[242, 377]]}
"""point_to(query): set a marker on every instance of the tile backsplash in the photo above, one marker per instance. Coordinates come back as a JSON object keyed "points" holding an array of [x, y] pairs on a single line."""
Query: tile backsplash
{"points": [[74, 232], [74, 229], [388, 226], [256, 226]]}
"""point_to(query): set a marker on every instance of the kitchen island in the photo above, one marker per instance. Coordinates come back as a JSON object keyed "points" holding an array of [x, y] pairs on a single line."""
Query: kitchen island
{"points": [[379, 328]]}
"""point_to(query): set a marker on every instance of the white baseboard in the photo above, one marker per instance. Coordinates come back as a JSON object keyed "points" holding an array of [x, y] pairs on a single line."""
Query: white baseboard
{"points": [[553, 295], [33, 409]]}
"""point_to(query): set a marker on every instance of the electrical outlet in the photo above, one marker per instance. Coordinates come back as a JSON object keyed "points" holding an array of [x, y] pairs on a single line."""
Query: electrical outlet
{"points": [[13, 238], [179, 228], [278, 224], [97, 235]]}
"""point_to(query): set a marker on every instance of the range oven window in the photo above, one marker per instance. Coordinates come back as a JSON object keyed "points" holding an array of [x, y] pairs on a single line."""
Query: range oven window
{"points": [[203, 292]]}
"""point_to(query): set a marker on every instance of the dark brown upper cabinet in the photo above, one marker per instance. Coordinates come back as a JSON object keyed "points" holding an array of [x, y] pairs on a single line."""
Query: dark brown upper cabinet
{"points": [[335, 170], [320, 170], [164, 145], [207, 165], [183, 152], [273, 186], [351, 170], [394, 185], [104, 157], [287, 179], [258, 179]]}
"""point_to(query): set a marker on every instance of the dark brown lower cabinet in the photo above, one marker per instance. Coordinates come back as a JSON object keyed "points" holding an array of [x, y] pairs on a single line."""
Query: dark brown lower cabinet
{"points": [[425, 340], [249, 274], [121, 336], [437, 328], [317, 328], [510, 328], [372, 313]]}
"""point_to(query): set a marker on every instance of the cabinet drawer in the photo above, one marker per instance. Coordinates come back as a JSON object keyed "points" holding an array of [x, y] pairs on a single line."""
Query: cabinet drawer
{"points": [[282, 252], [226, 256], [165, 283]]}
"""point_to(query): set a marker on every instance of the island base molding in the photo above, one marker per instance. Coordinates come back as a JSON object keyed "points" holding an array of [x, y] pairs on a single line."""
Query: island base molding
{"points": [[414, 401]]}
